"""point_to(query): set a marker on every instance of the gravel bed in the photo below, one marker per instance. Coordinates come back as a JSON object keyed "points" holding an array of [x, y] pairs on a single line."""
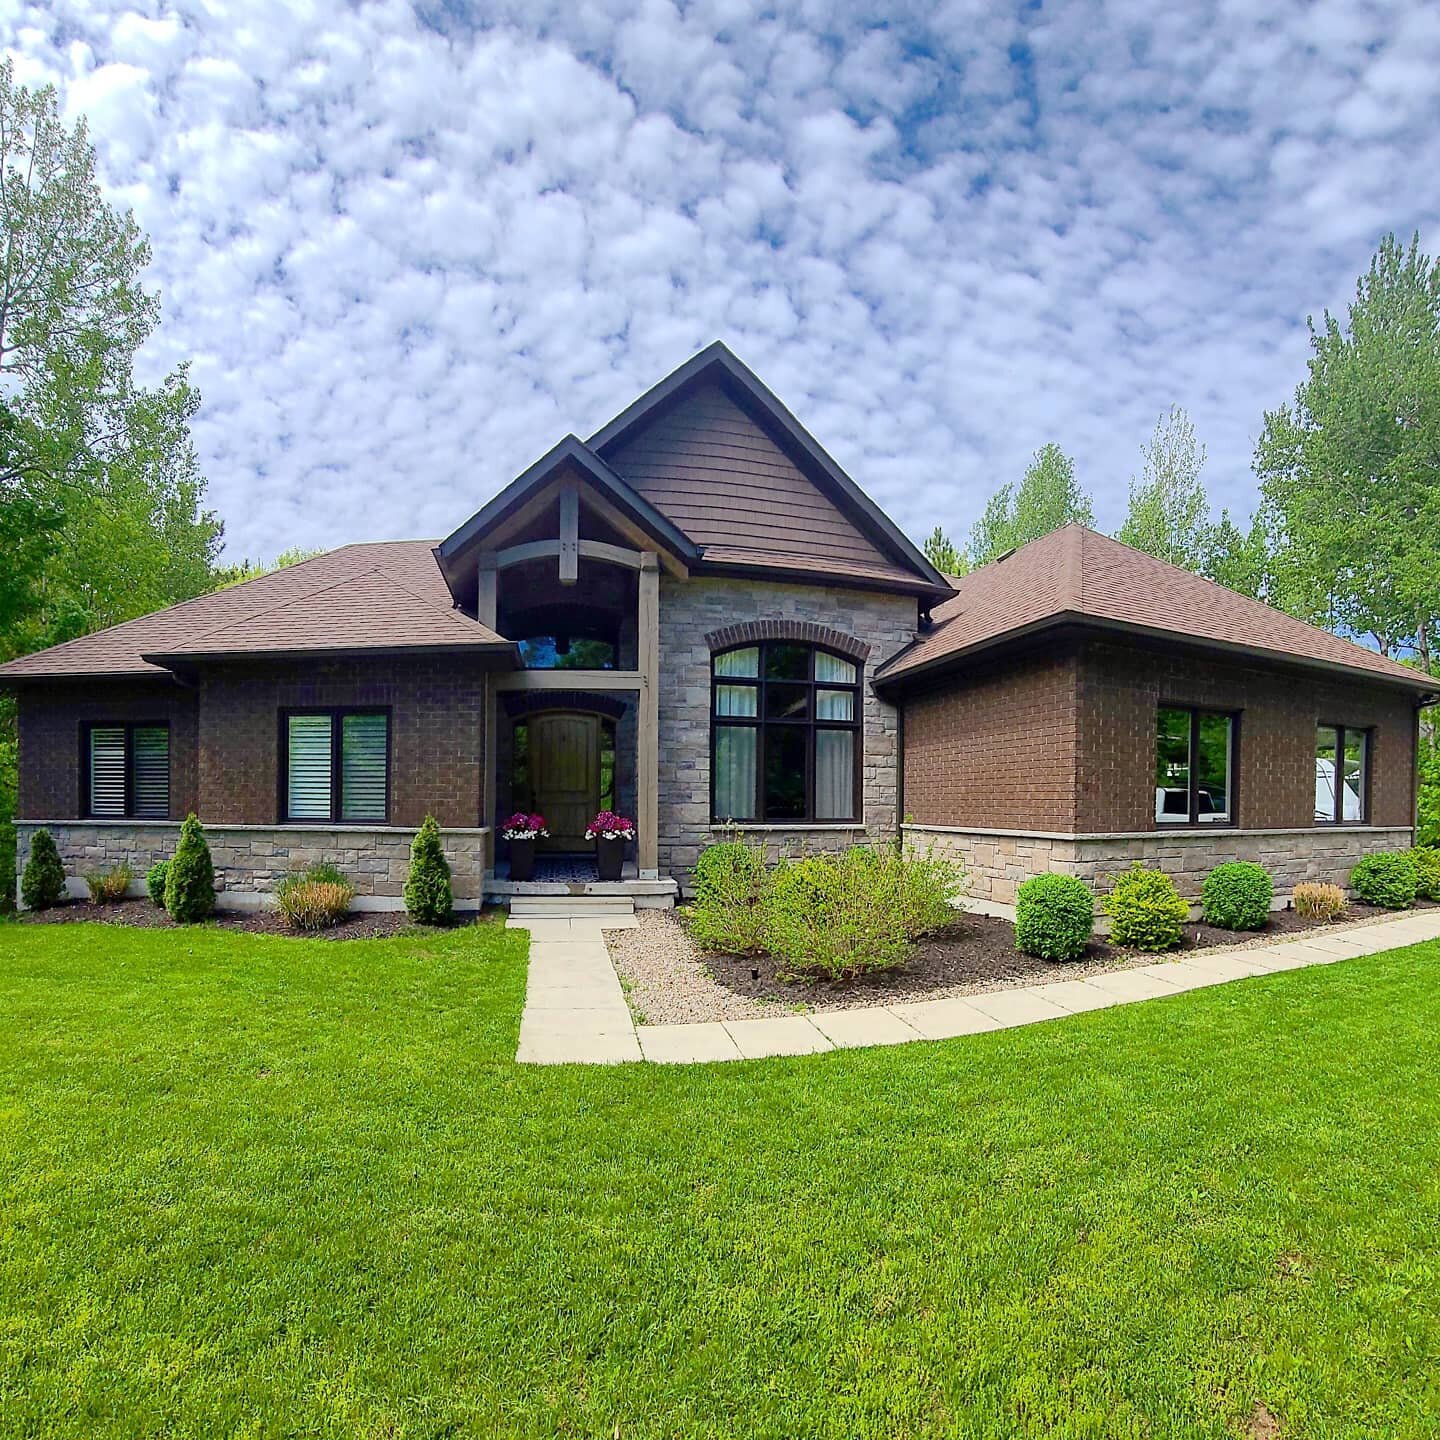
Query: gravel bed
{"points": [[670, 980]]}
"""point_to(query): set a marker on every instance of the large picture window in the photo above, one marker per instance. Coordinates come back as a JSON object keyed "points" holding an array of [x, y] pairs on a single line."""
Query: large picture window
{"points": [[1194, 767], [126, 771], [785, 734], [337, 766], [1342, 761]]}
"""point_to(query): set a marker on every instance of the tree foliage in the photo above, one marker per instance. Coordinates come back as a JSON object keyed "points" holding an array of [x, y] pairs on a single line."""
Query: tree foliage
{"points": [[1350, 471], [1169, 515], [1047, 497], [231, 575], [942, 552]]}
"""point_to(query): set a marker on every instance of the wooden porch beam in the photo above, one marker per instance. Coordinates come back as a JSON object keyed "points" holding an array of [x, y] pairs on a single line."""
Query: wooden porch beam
{"points": [[647, 729], [569, 533], [569, 680]]}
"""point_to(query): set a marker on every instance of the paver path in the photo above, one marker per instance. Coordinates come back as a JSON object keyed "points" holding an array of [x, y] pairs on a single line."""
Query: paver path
{"points": [[575, 1010]]}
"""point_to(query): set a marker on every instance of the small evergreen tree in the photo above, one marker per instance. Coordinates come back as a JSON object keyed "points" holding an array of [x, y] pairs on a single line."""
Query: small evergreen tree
{"points": [[43, 883], [428, 896], [190, 882]]}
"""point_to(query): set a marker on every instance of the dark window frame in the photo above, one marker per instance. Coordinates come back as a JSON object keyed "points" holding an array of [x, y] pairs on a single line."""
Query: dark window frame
{"points": [[809, 725], [1195, 713], [337, 713], [87, 728], [1366, 733]]}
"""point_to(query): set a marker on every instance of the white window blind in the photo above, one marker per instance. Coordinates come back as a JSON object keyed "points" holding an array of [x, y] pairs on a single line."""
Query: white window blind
{"points": [[308, 768], [107, 770], [362, 767], [150, 762]]}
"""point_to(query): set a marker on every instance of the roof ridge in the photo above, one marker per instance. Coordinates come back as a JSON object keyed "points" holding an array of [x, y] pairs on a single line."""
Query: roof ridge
{"points": [[280, 604], [450, 612]]}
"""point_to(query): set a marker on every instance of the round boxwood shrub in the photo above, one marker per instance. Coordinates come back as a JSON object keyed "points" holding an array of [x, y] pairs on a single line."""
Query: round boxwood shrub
{"points": [[1426, 859], [428, 894], [1054, 916], [43, 883], [1387, 879], [1145, 910], [1237, 896], [155, 878], [190, 880]]}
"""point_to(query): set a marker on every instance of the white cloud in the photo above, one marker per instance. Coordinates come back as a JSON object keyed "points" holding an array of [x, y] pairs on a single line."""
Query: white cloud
{"points": [[407, 254]]}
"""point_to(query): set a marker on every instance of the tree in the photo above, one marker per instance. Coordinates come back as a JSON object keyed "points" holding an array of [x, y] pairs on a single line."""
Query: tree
{"points": [[1047, 498], [941, 552], [1235, 558], [99, 485], [1350, 472], [229, 575], [1169, 515]]}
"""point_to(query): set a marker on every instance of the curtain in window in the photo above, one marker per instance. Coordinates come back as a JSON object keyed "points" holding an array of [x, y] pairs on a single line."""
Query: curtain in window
{"points": [[308, 772], [834, 774], [107, 770], [362, 767], [151, 772], [735, 751]]}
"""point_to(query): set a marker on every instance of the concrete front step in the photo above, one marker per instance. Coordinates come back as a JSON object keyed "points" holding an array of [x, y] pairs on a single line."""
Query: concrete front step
{"points": [[571, 907]]}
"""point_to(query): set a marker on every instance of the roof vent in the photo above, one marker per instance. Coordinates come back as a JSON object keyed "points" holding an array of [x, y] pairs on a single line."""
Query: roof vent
{"points": [[1006, 554]]}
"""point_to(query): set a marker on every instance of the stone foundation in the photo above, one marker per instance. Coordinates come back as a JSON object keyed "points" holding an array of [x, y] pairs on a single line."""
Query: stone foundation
{"points": [[999, 860], [250, 860]]}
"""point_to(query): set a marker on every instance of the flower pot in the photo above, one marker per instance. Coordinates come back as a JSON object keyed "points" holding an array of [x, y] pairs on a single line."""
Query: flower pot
{"points": [[522, 859], [609, 857]]}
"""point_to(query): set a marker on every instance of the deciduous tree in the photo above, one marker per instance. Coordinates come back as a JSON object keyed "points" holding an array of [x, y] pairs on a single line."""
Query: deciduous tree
{"points": [[1046, 498]]}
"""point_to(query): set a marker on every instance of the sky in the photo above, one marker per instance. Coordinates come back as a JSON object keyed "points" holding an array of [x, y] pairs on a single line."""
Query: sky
{"points": [[407, 248]]}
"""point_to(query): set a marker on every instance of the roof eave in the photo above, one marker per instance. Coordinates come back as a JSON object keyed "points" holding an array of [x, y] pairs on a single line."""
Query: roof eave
{"points": [[793, 575], [1423, 686], [173, 660]]}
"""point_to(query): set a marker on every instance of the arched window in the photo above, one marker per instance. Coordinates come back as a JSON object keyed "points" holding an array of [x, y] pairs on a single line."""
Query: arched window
{"points": [[784, 734]]}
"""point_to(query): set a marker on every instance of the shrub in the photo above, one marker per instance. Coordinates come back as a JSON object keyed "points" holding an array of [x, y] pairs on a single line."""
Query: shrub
{"points": [[1237, 896], [316, 899], [1387, 879], [155, 878], [927, 888], [190, 880], [1318, 902], [824, 915], [108, 886], [1426, 860], [1146, 912], [1054, 916], [428, 896], [731, 879], [43, 883]]}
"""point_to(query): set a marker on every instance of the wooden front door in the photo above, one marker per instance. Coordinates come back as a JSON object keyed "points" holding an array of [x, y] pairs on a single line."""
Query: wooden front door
{"points": [[565, 776]]}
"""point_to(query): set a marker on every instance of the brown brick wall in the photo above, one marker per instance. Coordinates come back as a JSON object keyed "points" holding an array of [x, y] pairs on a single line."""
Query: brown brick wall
{"points": [[50, 721], [995, 747], [436, 725], [1122, 686]]}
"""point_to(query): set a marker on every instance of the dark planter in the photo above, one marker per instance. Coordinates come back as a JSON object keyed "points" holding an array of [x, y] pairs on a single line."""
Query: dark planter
{"points": [[610, 858], [522, 859]]}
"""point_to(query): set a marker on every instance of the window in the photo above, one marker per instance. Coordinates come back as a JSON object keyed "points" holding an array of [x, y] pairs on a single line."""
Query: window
{"points": [[1343, 751], [1194, 767], [337, 766], [784, 734], [126, 771]]}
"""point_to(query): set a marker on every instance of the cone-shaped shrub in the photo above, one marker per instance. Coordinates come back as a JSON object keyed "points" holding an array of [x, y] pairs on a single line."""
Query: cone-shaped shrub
{"points": [[428, 896], [190, 883], [43, 883]]}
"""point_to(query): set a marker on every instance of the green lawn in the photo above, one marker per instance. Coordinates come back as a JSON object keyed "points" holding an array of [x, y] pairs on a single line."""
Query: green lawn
{"points": [[261, 1187]]}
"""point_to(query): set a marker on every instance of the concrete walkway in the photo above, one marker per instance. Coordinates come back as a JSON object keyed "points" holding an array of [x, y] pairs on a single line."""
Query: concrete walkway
{"points": [[575, 1010]]}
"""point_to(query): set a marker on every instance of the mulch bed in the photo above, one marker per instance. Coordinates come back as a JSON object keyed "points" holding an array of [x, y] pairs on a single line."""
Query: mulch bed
{"points": [[369, 925], [978, 953]]}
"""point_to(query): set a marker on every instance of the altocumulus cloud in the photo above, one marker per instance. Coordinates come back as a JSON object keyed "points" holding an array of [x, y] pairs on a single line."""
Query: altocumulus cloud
{"points": [[407, 248]]}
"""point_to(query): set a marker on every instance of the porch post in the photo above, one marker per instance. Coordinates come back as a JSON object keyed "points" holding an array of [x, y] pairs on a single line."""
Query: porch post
{"points": [[647, 728], [487, 596]]}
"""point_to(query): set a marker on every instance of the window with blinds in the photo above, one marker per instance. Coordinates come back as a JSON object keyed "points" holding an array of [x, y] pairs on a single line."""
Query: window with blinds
{"points": [[337, 766], [127, 772]]}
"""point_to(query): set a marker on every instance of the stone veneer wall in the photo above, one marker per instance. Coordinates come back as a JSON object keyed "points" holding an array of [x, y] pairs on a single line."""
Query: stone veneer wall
{"points": [[689, 611], [998, 861], [251, 859]]}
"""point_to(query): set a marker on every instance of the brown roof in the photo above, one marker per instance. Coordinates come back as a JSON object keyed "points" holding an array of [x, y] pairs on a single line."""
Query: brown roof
{"points": [[1076, 576], [383, 597]]}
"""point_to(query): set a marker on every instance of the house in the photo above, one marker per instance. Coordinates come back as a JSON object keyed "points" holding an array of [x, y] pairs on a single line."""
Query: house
{"points": [[697, 618]]}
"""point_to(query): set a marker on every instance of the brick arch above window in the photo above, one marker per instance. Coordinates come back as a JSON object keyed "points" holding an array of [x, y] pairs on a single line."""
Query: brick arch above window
{"points": [[805, 632]]}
